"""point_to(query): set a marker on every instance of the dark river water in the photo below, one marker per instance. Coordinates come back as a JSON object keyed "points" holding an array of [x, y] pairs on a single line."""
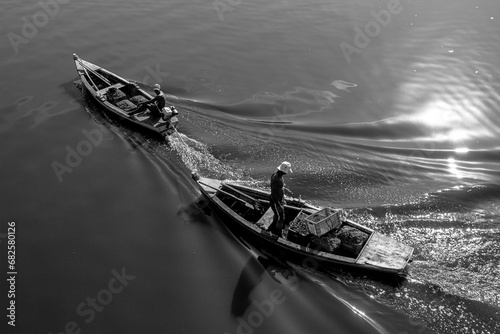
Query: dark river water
{"points": [[387, 108]]}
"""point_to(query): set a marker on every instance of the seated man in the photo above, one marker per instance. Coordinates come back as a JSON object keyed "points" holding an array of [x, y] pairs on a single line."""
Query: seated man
{"points": [[155, 105]]}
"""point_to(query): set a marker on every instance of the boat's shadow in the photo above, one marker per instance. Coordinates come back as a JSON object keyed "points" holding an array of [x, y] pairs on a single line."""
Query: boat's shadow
{"points": [[252, 274], [290, 277]]}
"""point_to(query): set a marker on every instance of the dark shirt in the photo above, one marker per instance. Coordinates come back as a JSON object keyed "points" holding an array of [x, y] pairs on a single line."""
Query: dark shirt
{"points": [[159, 100], [277, 187]]}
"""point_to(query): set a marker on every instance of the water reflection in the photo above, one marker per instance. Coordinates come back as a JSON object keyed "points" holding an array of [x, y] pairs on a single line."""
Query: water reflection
{"points": [[453, 168], [461, 150]]}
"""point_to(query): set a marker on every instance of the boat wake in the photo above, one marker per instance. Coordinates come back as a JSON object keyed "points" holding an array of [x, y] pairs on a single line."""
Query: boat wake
{"points": [[196, 156]]}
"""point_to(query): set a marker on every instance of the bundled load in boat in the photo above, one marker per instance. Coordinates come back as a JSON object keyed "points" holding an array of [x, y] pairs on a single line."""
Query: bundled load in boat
{"points": [[352, 238], [324, 230]]}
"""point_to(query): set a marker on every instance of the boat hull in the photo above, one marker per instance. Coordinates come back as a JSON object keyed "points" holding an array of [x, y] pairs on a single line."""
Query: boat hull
{"points": [[287, 250], [97, 89]]}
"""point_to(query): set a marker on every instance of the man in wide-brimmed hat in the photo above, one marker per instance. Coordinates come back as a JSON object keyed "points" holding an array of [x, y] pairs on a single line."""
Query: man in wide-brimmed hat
{"points": [[155, 105], [278, 196]]}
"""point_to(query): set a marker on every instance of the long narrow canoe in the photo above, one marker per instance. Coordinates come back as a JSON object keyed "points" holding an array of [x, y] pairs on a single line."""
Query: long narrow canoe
{"points": [[248, 210], [120, 96]]}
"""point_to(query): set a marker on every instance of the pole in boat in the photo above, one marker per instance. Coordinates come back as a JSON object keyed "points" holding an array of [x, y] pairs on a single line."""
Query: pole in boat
{"points": [[96, 74], [85, 67], [256, 203], [90, 79], [85, 70], [179, 135], [228, 194]]}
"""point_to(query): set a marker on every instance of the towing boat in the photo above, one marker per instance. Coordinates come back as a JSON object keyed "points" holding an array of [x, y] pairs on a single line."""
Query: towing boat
{"points": [[120, 97]]}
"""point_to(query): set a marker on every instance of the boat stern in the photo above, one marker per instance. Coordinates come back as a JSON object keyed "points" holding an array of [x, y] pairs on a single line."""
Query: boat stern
{"points": [[385, 253]]}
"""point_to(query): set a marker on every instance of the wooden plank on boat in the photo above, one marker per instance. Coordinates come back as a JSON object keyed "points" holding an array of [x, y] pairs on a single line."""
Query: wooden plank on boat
{"points": [[266, 220], [385, 252], [209, 184], [117, 86], [141, 118]]}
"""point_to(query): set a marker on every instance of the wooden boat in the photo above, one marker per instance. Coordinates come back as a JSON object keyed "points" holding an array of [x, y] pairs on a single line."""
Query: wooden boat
{"points": [[247, 211], [119, 96]]}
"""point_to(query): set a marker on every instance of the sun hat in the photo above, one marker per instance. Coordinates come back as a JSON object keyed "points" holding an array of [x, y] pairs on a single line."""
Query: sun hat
{"points": [[156, 87], [285, 167]]}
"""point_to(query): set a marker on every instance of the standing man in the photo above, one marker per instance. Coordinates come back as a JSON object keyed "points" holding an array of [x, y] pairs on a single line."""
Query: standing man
{"points": [[155, 105], [278, 196]]}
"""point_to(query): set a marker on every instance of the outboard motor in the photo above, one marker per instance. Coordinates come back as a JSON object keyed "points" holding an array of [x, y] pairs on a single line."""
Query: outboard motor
{"points": [[169, 119], [174, 120]]}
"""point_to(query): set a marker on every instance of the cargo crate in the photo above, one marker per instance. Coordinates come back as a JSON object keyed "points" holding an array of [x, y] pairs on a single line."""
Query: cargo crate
{"points": [[323, 221]]}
